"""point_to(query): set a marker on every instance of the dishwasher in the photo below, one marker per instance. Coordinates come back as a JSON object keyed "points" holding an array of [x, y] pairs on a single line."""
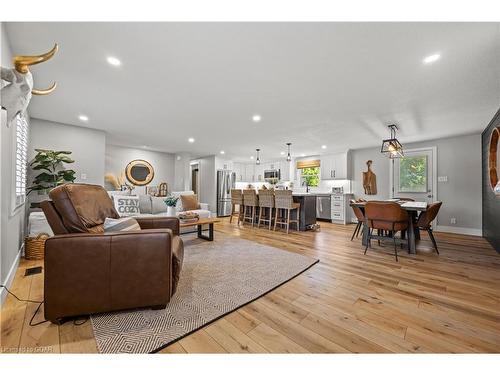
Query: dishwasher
{"points": [[324, 207]]}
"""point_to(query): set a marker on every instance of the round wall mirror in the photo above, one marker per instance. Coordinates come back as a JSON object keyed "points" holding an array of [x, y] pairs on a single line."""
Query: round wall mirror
{"points": [[493, 160], [139, 172]]}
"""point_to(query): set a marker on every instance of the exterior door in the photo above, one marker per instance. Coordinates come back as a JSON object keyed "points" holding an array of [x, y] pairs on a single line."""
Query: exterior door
{"points": [[414, 175]]}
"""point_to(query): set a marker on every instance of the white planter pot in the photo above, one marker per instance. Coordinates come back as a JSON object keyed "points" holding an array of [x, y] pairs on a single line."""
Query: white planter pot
{"points": [[170, 211]]}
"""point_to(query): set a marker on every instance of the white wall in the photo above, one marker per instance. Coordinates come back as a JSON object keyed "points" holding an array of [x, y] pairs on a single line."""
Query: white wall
{"points": [[182, 172], [87, 147], [459, 158], [12, 223], [208, 182], [118, 157]]}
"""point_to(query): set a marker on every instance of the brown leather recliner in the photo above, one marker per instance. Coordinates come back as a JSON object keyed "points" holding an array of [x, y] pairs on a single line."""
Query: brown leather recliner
{"points": [[88, 271]]}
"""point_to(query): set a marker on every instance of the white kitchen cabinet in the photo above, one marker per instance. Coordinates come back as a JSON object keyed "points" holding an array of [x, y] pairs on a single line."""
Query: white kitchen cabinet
{"points": [[285, 170], [259, 173], [327, 167], [335, 166], [340, 208], [249, 172], [239, 170], [224, 164]]}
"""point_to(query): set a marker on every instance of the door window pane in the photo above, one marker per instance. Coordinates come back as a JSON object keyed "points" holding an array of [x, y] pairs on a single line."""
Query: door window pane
{"points": [[413, 174]]}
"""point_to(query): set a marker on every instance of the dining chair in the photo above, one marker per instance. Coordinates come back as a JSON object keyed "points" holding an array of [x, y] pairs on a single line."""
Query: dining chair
{"points": [[425, 219], [361, 219], [389, 218], [250, 204], [283, 200], [266, 202], [236, 200]]}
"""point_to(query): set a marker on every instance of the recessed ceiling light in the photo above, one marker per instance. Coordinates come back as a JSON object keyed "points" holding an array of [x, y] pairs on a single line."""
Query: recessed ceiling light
{"points": [[282, 152], [222, 152], [432, 58], [302, 155], [256, 118], [113, 61], [323, 147], [251, 157], [83, 118], [191, 140]]}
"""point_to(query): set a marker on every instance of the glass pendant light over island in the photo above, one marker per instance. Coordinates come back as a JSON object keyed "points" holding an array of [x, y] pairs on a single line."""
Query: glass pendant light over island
{"points": [[288, 156], [257, 161]]}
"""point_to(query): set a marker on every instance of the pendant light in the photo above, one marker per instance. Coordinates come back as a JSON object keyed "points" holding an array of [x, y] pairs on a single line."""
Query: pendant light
{"points": [[392, 147], [257, 161], [288, 156]]}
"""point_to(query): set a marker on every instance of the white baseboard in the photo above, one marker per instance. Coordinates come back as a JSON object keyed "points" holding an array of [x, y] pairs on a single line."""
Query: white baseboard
{"points": [[458, 230], [10, 276]]}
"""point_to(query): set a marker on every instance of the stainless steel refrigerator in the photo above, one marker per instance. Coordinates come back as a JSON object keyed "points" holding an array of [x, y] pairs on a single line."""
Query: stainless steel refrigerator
{"points": [[225, 182]]}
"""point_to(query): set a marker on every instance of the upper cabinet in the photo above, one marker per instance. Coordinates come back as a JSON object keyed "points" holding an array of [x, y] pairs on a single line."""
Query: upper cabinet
{"points": [[239, 170], [249, 173], [335, 166]]}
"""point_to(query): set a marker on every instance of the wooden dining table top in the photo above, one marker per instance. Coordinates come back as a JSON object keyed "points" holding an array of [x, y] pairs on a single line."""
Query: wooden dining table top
{"points": [[407, 205]]}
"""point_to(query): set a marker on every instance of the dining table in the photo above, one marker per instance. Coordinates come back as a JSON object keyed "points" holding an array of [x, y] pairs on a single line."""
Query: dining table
{"points": [[413, 208]]}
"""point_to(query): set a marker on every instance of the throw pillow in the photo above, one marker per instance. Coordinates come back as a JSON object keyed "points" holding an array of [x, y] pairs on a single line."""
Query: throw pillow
{"points": [[158, 205], [189, 202], [126, 205], [145, 206], [122, 224]]}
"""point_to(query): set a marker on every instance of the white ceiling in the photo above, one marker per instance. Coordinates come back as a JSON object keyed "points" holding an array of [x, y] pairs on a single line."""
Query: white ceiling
{"points": [[337, 84]]}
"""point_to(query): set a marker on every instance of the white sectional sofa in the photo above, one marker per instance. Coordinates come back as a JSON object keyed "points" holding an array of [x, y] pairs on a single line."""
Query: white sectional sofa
{"points": [[155, 206], [148, 206]]}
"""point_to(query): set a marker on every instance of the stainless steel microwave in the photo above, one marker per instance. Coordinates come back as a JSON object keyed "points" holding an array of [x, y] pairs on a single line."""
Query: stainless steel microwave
{"points": [[273, 174]]}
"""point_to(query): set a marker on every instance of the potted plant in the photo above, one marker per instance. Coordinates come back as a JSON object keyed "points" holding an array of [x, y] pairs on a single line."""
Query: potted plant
{"points": [[53, 174], [171, 202]]}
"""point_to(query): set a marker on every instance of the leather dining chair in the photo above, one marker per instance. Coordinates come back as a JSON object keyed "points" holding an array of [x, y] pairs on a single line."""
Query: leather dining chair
{"points": [[425, 219], [388, 218], [361, 219]]}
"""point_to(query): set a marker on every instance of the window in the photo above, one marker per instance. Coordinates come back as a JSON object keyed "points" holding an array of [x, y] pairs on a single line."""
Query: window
{"points": [[413, 174], [309, 176], [21, 159]]}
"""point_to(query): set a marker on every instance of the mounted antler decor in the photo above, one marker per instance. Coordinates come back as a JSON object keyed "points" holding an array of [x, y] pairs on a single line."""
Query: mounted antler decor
{"points": [[16, 96]]}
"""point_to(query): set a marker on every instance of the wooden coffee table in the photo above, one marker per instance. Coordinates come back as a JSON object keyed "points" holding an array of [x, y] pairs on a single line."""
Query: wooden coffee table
{"points": [[199, 224]]}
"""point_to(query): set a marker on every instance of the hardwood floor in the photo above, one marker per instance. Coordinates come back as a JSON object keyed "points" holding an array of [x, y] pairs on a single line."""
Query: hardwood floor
{"points": [[349, 302]]}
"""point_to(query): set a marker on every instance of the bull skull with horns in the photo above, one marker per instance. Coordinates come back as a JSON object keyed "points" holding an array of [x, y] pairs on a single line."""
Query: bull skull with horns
{"points": [[16, 96]]}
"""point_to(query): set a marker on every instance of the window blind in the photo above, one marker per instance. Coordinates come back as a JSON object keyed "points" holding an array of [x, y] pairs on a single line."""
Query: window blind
{"points": [[21, 158], [308, 164]]}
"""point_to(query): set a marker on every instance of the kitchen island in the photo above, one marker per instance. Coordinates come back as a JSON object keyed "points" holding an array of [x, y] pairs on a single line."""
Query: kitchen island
{"points": [[307, 216]]}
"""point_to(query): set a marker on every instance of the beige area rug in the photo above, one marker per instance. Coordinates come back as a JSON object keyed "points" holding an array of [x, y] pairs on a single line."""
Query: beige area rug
{"points": [[217, 278]]}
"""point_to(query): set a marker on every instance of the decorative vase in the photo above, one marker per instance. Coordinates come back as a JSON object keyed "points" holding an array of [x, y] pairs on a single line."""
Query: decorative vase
{"points": [[170, 211]]}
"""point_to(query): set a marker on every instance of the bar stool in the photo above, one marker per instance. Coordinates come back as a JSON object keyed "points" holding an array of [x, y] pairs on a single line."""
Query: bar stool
{"points": [[266, 201], [236, 200], [250, 204], [283, 200]]}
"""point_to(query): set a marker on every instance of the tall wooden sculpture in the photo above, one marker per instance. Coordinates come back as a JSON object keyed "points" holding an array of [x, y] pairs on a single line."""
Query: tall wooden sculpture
{"points": [[369, 180]]}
